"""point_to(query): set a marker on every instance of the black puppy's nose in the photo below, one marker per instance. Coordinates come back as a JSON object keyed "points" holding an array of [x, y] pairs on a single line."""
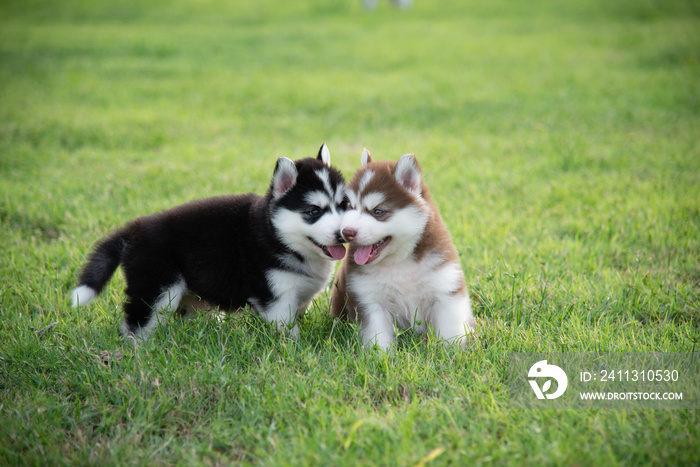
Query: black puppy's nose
{"points": [[339, 238], [349, 234]]}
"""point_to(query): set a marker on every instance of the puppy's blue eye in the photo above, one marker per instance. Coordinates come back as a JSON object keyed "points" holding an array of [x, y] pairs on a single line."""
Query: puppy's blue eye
{"points": [[377, 212]]}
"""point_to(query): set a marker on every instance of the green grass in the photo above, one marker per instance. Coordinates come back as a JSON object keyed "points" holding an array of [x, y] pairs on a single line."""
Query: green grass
{"points": [[559, 139]]}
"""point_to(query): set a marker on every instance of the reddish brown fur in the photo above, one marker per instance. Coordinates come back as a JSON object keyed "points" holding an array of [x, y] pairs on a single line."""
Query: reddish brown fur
{"points": [[435, 238], [384, 182]]}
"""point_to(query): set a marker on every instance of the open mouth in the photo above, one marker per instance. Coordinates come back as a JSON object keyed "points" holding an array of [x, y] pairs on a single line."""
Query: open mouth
{"points": [[367, 253], [332, 251]]}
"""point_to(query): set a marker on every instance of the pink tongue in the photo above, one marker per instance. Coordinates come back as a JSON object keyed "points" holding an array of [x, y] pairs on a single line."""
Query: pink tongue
{"points": [[362, 254], [336, 251]]}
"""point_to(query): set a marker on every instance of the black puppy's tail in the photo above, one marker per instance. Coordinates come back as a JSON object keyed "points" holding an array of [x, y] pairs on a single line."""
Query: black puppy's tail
{"points": [[102, 263]]}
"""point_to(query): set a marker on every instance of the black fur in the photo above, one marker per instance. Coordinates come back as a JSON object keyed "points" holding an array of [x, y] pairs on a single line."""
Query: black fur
{"points": [[222, 247]]}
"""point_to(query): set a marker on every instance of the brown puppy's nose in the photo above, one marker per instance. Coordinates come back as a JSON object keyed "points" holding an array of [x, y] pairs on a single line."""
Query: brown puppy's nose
{"points": [[349, 234]]}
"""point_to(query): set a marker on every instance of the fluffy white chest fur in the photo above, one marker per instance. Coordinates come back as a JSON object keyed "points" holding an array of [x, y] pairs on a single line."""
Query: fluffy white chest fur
{"points": [[303, 287], [407, 290]]}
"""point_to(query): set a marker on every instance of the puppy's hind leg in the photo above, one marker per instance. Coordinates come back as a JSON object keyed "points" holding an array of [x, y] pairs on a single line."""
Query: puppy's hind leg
{"points": [[144, 312], [452, 319]]}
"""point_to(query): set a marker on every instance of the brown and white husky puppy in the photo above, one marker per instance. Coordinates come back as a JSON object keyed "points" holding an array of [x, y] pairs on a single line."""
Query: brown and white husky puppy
{"points": [[273, 252], [402, 268]]}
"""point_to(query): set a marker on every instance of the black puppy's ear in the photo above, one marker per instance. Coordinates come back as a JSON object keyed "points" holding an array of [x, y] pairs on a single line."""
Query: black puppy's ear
{"points": [[324, 155], [285, 177]]}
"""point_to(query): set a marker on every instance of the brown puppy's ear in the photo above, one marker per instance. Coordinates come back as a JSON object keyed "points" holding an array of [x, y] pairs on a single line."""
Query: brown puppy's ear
{"points": [[408, 174], [324, 155], [366, 157], [284, 178]]}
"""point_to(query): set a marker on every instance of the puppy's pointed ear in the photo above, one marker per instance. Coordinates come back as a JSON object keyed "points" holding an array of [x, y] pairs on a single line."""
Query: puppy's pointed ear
{"points": [[285, 177], [408, 174], [366, 157], [324, 155]]}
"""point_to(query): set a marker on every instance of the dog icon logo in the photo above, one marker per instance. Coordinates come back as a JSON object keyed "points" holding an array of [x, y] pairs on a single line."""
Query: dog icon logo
{"points": [[543, 370]]}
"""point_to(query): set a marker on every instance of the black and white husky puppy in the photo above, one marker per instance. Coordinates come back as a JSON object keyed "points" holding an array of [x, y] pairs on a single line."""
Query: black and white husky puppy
{"points": [[402, 268], [273, 252]]}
